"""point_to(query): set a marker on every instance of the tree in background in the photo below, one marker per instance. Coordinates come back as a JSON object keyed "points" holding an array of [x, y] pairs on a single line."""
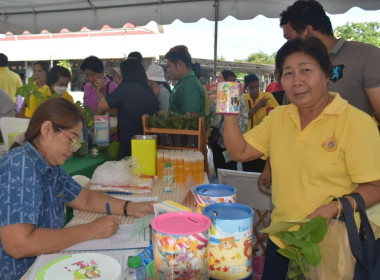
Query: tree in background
{"points": [[366, 32]]}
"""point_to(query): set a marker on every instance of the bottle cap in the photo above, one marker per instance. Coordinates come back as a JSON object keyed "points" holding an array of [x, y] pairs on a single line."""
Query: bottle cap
{"points": [[134, 261], [168, 164]]}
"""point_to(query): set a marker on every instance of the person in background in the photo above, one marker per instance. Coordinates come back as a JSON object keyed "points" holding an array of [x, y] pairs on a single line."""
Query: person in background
{"points": [[197, 69], [356, 71], [275, 88], [136, 55], [132, 98], [187, 95], [158, 84], [93, 69], [220, 155], [40, 70], [9, 80], [8, 107], [57, 81], [116, 75], [37, 188], [259, 104], [320, 146]]}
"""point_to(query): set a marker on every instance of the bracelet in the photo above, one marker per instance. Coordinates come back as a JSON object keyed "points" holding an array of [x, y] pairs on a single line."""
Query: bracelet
{"points": [[125, 208]]}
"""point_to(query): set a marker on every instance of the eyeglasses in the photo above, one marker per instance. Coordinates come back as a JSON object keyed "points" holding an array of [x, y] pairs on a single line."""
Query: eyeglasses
{"points": [[75, 145]]}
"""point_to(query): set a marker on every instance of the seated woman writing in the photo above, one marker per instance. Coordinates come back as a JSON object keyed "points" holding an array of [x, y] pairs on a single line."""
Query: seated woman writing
{"points": [[320, 146], [35, 188]]}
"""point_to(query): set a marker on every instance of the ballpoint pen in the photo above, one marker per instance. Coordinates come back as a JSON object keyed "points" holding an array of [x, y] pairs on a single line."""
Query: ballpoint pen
{"points": [[108, 208], [124, 193]]}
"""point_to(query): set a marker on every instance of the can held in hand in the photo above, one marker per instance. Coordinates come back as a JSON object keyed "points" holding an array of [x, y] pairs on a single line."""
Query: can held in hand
{"points": [[231, 240], [228, 98], [180, 246]]}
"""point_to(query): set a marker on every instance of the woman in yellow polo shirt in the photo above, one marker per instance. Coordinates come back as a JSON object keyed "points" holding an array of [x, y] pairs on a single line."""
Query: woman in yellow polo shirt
{"points": [[319, 145], [57, 81]]}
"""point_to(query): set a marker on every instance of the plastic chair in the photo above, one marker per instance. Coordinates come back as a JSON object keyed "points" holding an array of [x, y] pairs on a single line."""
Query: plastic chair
{"points": [[248, 193]]}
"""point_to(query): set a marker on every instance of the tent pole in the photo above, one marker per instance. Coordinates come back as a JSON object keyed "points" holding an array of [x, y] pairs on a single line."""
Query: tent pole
{"points": [[216, 5]]}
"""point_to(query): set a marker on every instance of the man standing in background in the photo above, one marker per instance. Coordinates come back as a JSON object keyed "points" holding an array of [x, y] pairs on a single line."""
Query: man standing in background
{"points": [[9, 80], [187, 95]]}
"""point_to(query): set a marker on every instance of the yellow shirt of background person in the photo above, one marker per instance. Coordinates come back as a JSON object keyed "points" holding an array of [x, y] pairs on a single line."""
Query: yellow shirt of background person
{"points": [[330, 156], [34, 102], [262, 112]]}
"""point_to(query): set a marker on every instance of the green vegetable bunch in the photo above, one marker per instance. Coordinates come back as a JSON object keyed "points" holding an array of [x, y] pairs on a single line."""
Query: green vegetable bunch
{"points": [[171, 120], [302, 246], [87, 112]]}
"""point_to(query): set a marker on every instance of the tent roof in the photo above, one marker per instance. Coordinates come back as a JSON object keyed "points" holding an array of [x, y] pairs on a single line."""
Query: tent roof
{"points": [[37, 15]]}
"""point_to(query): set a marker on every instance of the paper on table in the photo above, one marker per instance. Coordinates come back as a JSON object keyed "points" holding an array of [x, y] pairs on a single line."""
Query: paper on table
{"points": [[41, 261], [283, 226], [136, 198], [122, 239], [373, 213]]}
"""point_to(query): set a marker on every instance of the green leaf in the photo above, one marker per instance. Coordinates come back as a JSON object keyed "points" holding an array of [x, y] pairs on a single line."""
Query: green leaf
{"points": [[287, 253], [312, 254]]}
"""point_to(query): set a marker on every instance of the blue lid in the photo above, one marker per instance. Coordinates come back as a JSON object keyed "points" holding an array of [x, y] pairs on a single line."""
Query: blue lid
{"points": [[228, 211], [214, 190]]}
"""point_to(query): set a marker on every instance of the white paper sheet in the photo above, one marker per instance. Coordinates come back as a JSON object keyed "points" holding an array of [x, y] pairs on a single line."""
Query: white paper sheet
{"points": [[122, 239]]}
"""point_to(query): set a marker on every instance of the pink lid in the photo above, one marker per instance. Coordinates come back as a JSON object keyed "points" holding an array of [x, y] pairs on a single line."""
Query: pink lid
{"points": [[181, 223]]}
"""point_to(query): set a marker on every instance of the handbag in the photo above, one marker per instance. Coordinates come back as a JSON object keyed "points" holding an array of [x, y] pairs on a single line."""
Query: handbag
{"points": [[339, 260], [364, 246]]}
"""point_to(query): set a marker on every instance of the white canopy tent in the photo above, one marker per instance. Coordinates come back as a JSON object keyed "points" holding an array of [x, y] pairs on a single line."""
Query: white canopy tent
{"points": [[37, 15], [16, 16]]}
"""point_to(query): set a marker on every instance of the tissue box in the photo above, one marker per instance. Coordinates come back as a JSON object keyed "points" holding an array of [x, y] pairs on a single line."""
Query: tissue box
{"points": [[102, 130]]}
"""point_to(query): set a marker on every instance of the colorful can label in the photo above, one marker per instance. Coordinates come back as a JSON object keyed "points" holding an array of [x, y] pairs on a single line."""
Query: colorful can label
{"points": [[228, 98], [181, 256], [230, 245]]}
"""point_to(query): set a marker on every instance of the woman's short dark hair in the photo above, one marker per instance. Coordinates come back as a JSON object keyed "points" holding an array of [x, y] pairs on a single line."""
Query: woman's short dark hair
{"points": [[61, 112], [92, 63], [44, 64], [57, 71], [310, 46], [132, 71]]}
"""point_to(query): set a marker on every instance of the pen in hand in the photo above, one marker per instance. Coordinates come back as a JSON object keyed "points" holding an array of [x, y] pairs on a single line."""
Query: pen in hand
{"points": [[108, 208]]}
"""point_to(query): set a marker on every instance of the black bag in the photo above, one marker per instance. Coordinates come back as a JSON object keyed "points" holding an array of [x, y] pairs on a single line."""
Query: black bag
{"points": [[365, 248]]}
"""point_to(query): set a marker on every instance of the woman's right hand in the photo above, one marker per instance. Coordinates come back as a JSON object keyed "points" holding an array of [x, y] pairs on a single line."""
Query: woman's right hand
{"points": [[104, 226]]}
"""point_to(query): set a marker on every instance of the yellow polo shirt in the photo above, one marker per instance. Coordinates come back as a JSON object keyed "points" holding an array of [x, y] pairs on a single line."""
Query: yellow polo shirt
{"points": [[34, 102], [339, 148], [262, 112]]}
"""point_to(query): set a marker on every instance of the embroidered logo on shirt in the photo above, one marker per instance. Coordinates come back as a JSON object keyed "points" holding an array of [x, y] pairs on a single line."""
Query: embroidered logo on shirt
{"points": [[337, 73], [330, 144]]}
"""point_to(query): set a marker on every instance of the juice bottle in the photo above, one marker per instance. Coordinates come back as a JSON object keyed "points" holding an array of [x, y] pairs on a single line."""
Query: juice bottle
{"points": [[160, 163], [193, 164], [173, 160], [187, 170], [200, 168], [180, 162]]}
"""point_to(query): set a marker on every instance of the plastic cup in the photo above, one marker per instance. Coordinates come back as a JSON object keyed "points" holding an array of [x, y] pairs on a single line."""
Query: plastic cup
{"points": [[228, 98]]}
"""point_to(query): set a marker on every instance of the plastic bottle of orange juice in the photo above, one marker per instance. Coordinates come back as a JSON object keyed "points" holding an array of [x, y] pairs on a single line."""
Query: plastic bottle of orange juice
{"points": [[187, 170], [180, 162], [193, 165], [160, 163], [200, 168], [173, 160]]}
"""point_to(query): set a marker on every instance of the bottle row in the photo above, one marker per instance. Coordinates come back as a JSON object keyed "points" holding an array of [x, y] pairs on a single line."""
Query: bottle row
{"points": [[184, 163]]}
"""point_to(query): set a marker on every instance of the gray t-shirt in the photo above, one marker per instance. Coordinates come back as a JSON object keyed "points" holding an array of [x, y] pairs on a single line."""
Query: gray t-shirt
{"points": [[8, 108], [356, 68], [163, 98]]}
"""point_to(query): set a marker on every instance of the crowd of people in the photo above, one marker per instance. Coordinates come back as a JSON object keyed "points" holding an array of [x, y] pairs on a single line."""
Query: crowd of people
{"points": [[311, 134]]}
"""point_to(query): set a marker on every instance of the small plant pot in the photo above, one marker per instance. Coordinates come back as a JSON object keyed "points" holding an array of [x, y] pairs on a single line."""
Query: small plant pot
{"points": [[179, 140], [191, 141]]}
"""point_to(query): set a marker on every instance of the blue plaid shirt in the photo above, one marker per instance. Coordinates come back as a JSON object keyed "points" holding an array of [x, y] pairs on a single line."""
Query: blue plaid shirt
{"points": [[31, 192]]}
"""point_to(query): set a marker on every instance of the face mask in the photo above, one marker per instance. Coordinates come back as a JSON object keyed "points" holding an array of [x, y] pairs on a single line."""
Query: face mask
{"points": [[60, 90]]}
